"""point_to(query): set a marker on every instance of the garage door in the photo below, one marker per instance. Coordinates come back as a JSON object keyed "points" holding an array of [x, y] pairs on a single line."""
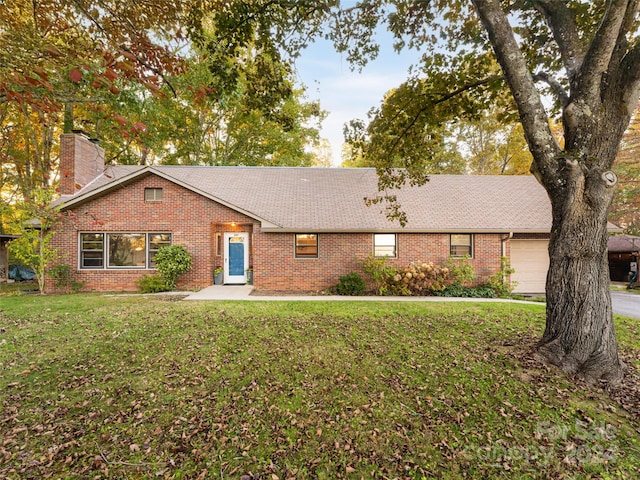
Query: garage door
{"points": [[530, 259]]}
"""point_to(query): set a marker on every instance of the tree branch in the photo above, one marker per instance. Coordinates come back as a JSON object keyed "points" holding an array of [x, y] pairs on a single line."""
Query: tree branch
{"points": [[555, 86], [600, 52], [622, 44], [625, 61], [562, 23], [533, 116], [443, 98], [630, 69]]}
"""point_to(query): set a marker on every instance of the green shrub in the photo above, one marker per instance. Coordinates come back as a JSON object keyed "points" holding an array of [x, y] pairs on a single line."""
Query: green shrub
{"points": [[460, 270], [351, 284], [152, 284], [61, 275], [457, 290], [381, 274], [171, 262], [498, 281]]}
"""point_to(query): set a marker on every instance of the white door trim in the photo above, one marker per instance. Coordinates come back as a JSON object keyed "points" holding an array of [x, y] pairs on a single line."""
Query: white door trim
{"points": [[236, 276]]}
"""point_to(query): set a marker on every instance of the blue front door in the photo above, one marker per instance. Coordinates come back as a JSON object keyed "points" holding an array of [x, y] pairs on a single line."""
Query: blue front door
{"points": [[236, 257]]}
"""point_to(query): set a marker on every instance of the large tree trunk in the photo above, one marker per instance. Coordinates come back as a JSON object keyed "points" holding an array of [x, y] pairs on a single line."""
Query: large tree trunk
{"points": [[579, 336], [604, 87]]}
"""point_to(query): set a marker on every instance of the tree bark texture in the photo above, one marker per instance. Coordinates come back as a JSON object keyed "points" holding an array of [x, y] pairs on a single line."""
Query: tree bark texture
{"points": [[580, 336]]}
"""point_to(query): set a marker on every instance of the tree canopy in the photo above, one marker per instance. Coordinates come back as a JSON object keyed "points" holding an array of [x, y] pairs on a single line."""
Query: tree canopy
{"points": [[157, 82]]}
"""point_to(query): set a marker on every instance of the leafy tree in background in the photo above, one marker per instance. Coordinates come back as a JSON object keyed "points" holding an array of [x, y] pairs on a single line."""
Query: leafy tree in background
{"points": [[492, 147], [156, 82], [625, 210], [199, 127], [60, 55]]}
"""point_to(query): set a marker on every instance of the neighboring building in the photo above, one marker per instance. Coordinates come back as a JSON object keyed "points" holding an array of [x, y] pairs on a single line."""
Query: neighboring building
{"points": [[295, 228], [624, 255]]}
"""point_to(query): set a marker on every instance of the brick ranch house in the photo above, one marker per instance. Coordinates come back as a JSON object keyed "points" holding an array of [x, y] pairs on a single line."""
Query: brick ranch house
{"points": [[295, 228]]}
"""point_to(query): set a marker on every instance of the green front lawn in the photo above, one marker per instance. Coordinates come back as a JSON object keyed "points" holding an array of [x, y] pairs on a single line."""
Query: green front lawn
{"points": [[136, 387]]}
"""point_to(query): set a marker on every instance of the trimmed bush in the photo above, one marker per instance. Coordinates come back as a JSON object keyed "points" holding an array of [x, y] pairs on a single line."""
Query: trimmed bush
{"points": [[152, 284], [457, 290], [171, 262], [351, 284]]}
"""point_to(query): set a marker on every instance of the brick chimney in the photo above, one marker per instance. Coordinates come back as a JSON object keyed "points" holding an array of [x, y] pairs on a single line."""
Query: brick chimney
{"points": [[81, 160]]}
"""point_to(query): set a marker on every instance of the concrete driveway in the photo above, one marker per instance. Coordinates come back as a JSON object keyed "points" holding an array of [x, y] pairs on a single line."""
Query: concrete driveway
{"points": [[625, 303]]}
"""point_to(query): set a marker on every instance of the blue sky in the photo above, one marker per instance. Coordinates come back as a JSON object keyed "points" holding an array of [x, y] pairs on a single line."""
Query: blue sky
{"points": [[347, 94]]}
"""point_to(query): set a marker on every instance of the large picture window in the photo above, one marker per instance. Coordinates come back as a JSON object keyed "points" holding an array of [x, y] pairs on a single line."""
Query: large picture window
{"points": [[120, 250], [126, 250], [306, 245], [384, 245], [461, 245]]}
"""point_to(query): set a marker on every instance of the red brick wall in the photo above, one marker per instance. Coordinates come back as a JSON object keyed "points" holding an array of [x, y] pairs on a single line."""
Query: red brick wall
{"points": [[276, 268], [194, 222], [189, 217]]}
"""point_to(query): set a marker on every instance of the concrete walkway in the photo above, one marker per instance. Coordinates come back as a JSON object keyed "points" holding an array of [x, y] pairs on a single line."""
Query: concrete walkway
{"points": [[243, 292]]}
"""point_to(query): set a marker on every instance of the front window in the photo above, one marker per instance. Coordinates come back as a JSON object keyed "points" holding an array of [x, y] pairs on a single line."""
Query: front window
{"points": [[126, 250], [306, 245], [384, 245], [120, 250], [156, 242], [461, 245], [91, 250]]}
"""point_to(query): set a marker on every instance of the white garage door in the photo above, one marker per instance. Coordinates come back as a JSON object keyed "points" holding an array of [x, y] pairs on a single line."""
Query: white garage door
{"points": [[530, 259]]}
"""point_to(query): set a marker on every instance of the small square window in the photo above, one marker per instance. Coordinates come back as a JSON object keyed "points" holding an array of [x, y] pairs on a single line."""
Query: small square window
{"points": [[152, 194], [384, 245], [461, 245], [306, 245]]}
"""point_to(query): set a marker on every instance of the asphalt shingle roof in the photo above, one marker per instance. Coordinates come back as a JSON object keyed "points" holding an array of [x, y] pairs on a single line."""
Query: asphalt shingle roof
{"points": [[332, 199], [624, 243]]}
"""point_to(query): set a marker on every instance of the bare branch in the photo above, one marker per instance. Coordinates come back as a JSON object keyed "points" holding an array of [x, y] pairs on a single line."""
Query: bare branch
{"points": [[555, 86]]}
